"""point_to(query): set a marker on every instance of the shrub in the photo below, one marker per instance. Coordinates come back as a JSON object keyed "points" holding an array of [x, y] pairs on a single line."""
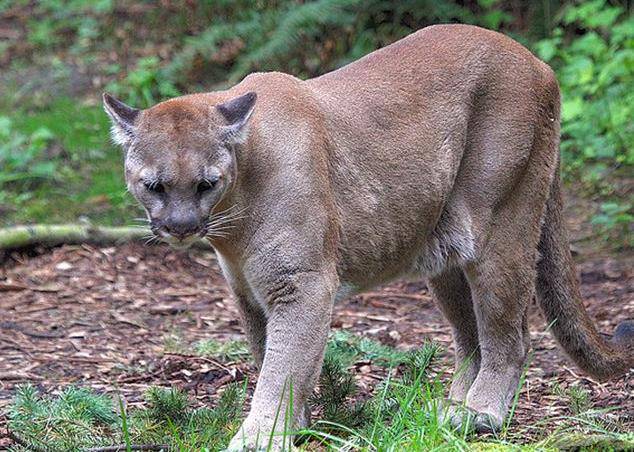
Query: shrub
{"points": [[592, 51]]}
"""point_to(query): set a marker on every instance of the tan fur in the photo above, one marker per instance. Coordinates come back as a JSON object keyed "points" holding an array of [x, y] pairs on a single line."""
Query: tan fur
{"points": [[434, 156]]}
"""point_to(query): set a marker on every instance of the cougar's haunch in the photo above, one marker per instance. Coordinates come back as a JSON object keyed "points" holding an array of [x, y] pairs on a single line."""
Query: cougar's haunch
{"points": [[437, 155]]}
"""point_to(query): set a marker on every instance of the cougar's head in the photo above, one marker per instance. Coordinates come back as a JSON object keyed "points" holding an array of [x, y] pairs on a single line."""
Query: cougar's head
{"points": [[180, 161]]}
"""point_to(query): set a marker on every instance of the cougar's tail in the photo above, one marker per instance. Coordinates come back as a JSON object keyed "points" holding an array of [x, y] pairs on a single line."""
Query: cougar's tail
{"points": [[559, 297]]}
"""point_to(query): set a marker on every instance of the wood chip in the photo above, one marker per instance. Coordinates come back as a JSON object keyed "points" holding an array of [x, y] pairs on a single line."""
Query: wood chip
{"points": [[10, 287]]}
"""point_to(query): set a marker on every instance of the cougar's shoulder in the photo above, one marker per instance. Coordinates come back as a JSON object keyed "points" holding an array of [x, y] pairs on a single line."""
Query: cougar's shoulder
{"points": [[281, 97]]}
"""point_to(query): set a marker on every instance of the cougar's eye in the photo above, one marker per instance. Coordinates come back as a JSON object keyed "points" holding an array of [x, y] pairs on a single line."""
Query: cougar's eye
{"points": [[155, 187], [205, 185]]}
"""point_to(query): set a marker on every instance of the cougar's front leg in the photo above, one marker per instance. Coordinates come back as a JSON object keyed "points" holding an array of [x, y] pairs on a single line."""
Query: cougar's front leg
{"points": [[252, 314], [298, 307]]}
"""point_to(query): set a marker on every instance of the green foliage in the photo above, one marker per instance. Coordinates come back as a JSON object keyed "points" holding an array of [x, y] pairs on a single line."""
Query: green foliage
{"points": [[124, 425], [57, 164], [173, 342], [585, 428], [54, 20], [592, 51], [23, 157], [334, 396], [615, 218], [145, 85], [223, 350], [578, 398], [348, 348], [598, 441], [166, 404], [75, 419], [169, 420], [418, 362], [308, 39], [401, 415], [78, 419], [596, 75]]}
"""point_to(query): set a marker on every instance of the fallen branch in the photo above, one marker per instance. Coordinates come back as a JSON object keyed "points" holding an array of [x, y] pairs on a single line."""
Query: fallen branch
{"points": [[73, 234]]}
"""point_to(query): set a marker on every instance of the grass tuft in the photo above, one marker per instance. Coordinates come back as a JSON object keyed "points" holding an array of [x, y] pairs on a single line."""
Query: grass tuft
{"points": [[223, 350], [78, 418]]}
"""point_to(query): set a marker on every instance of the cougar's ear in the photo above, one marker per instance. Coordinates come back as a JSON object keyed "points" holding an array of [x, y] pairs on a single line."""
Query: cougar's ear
{"points": [[236, 112], [123, 119]]}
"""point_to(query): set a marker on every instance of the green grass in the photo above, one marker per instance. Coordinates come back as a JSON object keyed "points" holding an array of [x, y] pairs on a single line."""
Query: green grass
{"points": [[79, 419], [59, 166], [225, 351], [402, 413]]}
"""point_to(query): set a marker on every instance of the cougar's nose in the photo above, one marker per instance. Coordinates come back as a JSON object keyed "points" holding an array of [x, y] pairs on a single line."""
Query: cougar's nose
{"points": [[181, 227]]}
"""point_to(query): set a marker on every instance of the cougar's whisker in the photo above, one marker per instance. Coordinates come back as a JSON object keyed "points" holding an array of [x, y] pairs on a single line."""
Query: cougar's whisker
{"points": [[219, 223], [230, 217], [222, 228], [222, 222], [211, 236], [230, 211]]}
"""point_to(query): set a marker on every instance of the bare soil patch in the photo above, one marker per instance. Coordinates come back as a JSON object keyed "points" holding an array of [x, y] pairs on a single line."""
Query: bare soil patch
{"points": [[107, 317]]}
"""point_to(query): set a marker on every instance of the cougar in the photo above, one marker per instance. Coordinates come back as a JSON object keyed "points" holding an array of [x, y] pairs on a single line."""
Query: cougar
{"points": [[436, 156]]}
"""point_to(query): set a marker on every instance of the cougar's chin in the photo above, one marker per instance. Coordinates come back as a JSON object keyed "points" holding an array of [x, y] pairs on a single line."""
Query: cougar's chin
{"points": [[181, 244]]}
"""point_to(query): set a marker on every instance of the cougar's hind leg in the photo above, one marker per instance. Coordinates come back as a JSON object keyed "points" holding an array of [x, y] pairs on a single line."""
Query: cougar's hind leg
{"points": [[502, 284], [453, 295], [510, 161]]}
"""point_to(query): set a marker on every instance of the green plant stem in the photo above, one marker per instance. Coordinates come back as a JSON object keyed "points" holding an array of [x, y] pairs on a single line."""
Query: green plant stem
{"points": [[121, 447]]}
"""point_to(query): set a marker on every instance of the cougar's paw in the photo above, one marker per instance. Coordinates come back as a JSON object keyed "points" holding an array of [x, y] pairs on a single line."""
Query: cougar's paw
{"points": [[257, 443], [456, 414], [254, 437], [450, 412], [249, 438], [460, 416], [487, 423]]}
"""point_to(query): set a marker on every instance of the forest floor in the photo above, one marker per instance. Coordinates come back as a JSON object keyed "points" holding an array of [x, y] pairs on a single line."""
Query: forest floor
{"points": [[122, 319]]}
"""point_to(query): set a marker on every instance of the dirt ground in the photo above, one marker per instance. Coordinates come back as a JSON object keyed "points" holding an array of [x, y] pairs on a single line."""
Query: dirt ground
{"points": [[104, 317]]}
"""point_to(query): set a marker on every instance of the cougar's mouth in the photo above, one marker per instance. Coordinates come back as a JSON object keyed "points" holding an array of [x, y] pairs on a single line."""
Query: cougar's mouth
{"points": [[177, 241], [181, 243]]}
